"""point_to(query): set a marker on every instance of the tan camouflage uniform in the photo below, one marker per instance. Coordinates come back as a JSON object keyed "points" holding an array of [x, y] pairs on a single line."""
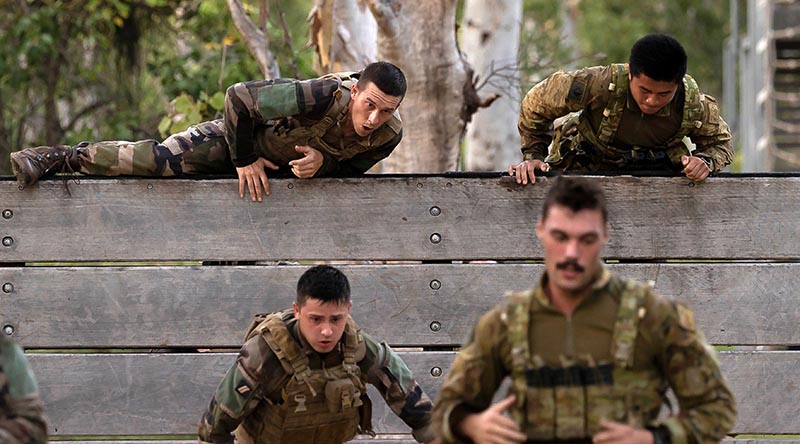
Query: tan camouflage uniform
{"points": [[258, 391], [634, 140], [262, 118], [22, 419], [613, 359]]}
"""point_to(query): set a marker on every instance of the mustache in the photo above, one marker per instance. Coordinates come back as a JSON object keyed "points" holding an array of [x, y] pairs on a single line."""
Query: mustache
{"points": [[570, 263]]}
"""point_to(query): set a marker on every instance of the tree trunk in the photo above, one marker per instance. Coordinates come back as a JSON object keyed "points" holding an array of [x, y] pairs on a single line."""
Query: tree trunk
{"points": [[344, 35], [257, 41], [419, 37], [491, 44]]}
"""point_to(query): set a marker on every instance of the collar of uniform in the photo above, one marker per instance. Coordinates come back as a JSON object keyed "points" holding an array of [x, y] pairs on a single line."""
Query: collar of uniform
{"points": [[600, 283], [663, 112]]}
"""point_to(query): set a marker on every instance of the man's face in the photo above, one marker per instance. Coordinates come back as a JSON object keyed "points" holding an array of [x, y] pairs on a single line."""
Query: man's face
{"points": [[371, 108], [572, 242], [322, 324], [651, 95]]}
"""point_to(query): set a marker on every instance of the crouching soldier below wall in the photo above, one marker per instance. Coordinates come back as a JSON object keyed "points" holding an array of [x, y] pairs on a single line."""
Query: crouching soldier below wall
{"points": [[301, 375], [22, 419]]}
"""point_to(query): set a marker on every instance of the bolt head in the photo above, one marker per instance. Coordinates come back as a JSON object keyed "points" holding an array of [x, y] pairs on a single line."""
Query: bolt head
{"points": [[436, 372], [8, 330], [436, 238], [435, 284], [436, 326], [8, 241], [8, 214], [8, 287], [435, 211]]}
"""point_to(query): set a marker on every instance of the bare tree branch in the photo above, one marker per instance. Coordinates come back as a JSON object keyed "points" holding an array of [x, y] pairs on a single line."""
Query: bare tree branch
{"points": [[288, 41], [256, 40]]}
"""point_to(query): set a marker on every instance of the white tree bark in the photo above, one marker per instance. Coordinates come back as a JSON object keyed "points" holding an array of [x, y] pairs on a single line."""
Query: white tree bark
{"points": [[419, 37], [257, 41], [568, 11], [491, 30], [344, 34]]}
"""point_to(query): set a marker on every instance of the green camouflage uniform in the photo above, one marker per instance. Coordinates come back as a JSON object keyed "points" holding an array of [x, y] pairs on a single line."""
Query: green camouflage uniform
{"points": [[280, 390], [613, 358], [590, 121], [262, 118], [21, 415]]}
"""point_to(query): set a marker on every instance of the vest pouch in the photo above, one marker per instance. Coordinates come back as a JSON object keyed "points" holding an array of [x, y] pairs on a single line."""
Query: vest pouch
{"points": [[365, 415], [540, 412], [570, 412], [602, 404], [341, 395]]}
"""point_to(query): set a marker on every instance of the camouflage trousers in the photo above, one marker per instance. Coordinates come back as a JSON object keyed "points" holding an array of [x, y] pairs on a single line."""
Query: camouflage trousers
{"points": [[201, 149]]}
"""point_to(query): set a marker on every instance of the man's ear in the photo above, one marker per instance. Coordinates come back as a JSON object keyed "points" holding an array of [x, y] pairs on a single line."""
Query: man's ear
{"points": [[539, 228], [296, 309], [354, 90]]}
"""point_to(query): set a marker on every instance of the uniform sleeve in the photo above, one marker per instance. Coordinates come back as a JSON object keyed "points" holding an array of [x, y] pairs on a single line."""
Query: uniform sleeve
{"points": [[475, 375], [707, 406], [240, 391], [22, 420], [554, 97], [389, 374], [360, 163], [250, 104], [713, 138]]}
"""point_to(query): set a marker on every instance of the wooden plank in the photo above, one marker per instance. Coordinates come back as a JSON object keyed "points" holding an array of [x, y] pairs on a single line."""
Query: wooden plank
{"points": [[739, 217], [71, 307], [165, 394]]}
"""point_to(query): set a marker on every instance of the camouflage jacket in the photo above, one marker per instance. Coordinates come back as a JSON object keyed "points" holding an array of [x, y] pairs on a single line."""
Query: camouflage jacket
{"points": [[22, 419], [268, 117], [588, 91], [261, 371], [667, 345]]}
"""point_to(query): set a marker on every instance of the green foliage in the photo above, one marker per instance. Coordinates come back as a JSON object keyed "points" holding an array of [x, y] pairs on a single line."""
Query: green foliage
{"points": [[607, 29], [73, 70]]}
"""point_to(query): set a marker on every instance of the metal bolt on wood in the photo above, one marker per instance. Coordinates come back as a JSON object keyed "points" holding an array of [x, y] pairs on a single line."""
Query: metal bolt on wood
{"points": [[290, 185], [435, 284], [436, 238], [8, 287], [436, 326], [8, 241], [8, 329], [436, 372], [435, 211], [149, 186], [419, 184], [8, 214]]}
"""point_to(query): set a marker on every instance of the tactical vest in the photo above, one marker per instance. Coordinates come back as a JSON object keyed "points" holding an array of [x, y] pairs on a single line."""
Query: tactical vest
{"points": [[324, 406], [568, 402], [601, 139], [278, 141]]}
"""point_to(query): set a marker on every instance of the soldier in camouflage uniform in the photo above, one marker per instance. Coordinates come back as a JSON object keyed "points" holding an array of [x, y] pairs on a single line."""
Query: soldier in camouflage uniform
{"points": [[590, 355], [22, 419], [339, 124], [301, 375], [633, 116]]}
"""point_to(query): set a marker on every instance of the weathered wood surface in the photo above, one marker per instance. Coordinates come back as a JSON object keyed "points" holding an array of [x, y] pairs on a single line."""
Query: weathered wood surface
{"points": [[387, 218], [735, 304], [156, 394]]}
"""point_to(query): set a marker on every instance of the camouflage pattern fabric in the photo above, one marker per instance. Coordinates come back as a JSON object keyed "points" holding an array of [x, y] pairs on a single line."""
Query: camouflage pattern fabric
{"points": [[201, 149], [262, 118], [587, 120], [257, 382], [268, 118], [622, 348], [22, 419]]}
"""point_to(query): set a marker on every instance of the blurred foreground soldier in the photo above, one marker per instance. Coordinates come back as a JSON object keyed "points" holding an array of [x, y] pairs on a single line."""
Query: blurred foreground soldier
{"points": [[624, 117], [590, 355], [336, 125], [22, 419], [301, 375]]}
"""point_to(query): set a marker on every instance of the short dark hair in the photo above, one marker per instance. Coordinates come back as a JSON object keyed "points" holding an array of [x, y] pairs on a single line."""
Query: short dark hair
{"points": [[324, 283], [660, 57], [575, 193], [386, 76]]}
